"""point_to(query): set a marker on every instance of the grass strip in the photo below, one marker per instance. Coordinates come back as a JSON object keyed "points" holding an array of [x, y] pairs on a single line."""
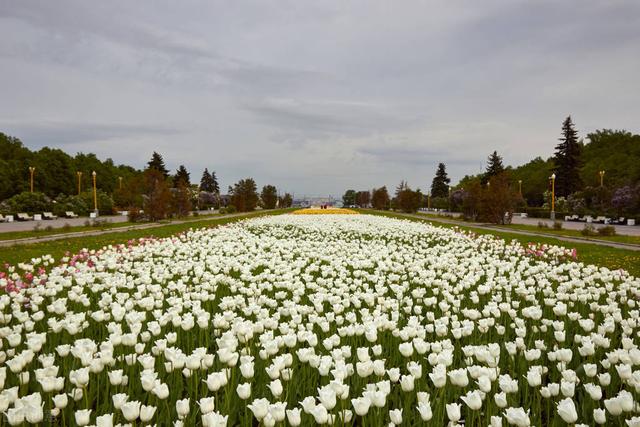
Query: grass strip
{"points": [[588, 253], [57, 248]]}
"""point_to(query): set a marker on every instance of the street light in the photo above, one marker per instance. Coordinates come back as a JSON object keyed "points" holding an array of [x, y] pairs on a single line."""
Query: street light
{"points": [[120, 181], [32, 169], [79, 181], [553, 196], [520, 187], [601, 173], [449, 198], [95, 194]]}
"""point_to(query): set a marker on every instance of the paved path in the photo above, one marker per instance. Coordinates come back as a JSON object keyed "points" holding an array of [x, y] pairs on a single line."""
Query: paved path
{"points": [[51, 237], [491, 227]]}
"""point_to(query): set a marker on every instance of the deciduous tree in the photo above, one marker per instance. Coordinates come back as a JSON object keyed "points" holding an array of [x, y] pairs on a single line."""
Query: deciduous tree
{"points": [[269, 197]]}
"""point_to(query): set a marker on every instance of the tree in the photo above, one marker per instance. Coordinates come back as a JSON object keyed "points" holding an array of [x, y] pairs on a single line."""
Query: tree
{"points": [[216, 187], [498, 200], [494, 167], [285, 201], [380, 198], [181, 176], [206, 182], [157, 163], [269, 197], [181, 199], [157, 197], [349, 198], [363, 198], [440, 183], [244, 195], [406, 199], [567, 161]]}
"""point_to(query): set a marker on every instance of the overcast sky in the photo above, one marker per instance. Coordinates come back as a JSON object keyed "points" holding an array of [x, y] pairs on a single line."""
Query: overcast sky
{"points": [[316, 96]]}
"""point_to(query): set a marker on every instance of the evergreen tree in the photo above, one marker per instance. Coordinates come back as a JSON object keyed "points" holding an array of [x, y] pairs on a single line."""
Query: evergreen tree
{"points": [[206, 182], [157, 163], [440, 183], [216, 187], [494, 167], [182, 176], [269, 197], [567, 161]]}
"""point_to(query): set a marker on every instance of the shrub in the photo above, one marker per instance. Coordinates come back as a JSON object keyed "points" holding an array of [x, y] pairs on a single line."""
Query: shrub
{"points": [[48, 228], [222, 211], [557, 225], [66, 203], [589, 230], [231, 209], [134, 215], [607, 230], [29, 202], [66, 226], [542, 224]]}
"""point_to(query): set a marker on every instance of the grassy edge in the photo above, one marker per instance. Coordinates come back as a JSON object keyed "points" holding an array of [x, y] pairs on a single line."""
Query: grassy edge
{"points": [[24, 252], [588, 253]]}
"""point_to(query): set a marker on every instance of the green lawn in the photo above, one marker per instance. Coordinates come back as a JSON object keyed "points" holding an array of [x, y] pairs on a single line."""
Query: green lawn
{"points": [[605, 256], [563, 232], [575, 233], [41, 230], [57, 248]]}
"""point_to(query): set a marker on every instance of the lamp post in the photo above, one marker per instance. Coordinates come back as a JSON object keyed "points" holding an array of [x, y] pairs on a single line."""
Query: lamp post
{"points": [[449, 198], [120, 182], [79, 181], [95, 194], [601, 173], [553, 196], [520, 187], [32, 170]]}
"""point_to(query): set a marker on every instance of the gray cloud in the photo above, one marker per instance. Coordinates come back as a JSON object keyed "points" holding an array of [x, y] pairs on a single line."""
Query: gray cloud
{"points": [[316, 97]]}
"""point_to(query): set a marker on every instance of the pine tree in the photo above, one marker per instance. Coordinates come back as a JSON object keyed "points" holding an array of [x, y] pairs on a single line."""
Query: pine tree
{"points": [[494, 167], [182, 176], [157, 163], [214, 179], [207, 182], [440, 183], [567, 161]]}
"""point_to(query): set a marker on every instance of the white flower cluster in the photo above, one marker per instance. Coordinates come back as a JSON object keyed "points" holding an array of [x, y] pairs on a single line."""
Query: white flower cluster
{"points": [[305, 320]]}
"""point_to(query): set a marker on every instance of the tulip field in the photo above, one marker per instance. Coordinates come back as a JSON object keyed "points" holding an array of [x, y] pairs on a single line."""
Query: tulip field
{"points": [[347, 320]]}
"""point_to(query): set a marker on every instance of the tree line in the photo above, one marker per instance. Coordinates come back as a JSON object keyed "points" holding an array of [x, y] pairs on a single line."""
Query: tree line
{"points": [[598, 177], [65, 183]]}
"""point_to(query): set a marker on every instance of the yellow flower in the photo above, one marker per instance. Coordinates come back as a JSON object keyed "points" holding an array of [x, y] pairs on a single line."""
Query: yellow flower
{"points": [[328, 211]]}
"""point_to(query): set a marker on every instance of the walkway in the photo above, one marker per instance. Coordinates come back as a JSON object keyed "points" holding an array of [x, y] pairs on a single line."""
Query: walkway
{"points": [[491, 227]]}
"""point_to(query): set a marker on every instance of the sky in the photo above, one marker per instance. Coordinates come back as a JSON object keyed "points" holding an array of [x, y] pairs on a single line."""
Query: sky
{"points": [[316, 97]]}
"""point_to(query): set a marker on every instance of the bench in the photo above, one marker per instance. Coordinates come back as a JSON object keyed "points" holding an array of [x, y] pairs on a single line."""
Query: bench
{"points": [[4, 218], [23, 217], [70, 214], [49, 215]]}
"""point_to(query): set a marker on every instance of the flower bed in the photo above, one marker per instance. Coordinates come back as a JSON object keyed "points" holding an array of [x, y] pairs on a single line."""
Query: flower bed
{"points": [[295, 320], [327, 211]]}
